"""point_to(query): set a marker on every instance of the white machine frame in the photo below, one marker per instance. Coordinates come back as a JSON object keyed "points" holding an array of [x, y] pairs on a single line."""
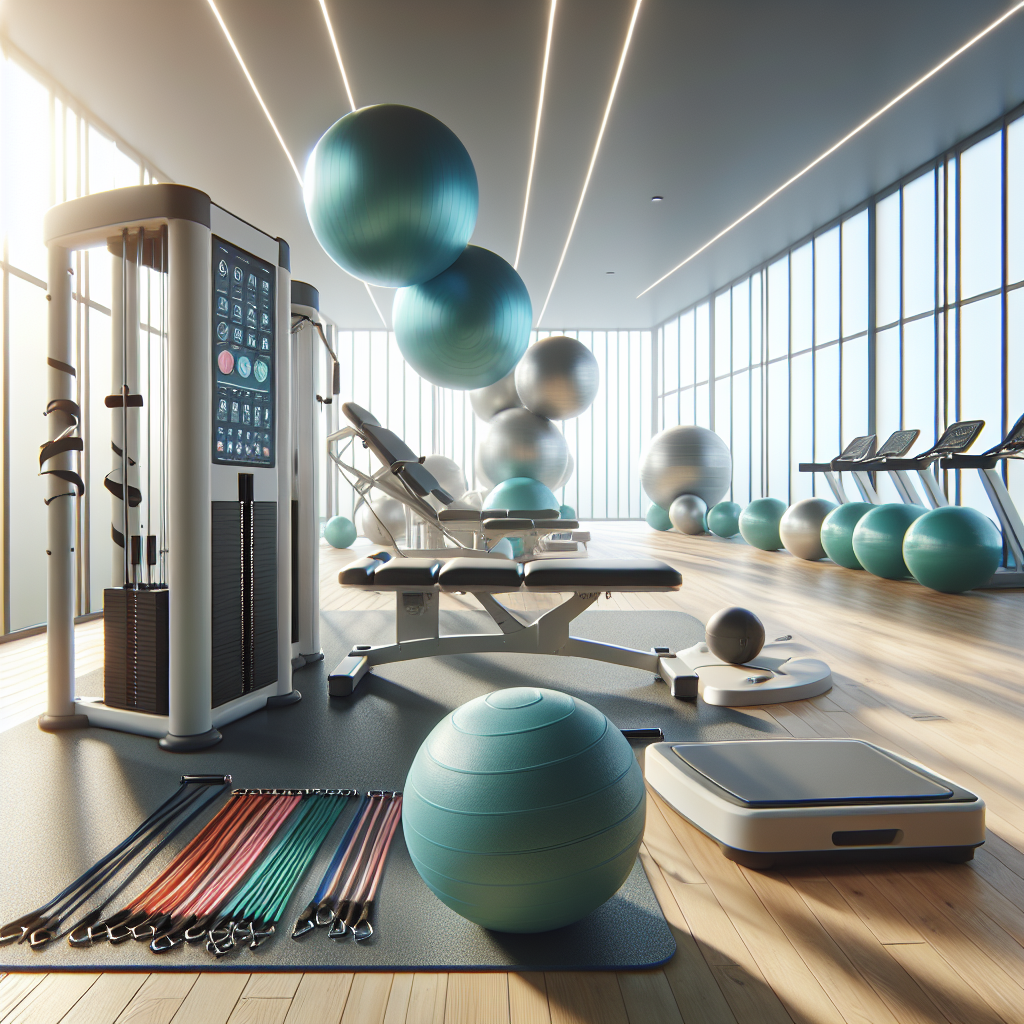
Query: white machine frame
{"points": [[190, 220]]}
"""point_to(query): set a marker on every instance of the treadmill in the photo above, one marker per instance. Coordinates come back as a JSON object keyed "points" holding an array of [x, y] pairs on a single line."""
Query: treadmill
{"points": [[1011, 447], [954, 440], [859, 448]]}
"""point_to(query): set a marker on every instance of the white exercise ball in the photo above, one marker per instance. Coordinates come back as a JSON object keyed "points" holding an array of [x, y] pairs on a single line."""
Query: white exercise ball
{"points": [[557, 378], [483, 481], [489, 401], [473, 499], [518, 443], [800, 527], [567, 475], [448, 473], [686, 460], [688, 514], [387, 516]]}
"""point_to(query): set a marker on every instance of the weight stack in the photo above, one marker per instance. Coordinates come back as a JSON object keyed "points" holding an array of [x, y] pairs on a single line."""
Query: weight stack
{"points": [[135, 649]]}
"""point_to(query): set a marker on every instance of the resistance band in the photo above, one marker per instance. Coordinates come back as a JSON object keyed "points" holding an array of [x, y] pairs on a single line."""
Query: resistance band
{"points": [[43, 924]]}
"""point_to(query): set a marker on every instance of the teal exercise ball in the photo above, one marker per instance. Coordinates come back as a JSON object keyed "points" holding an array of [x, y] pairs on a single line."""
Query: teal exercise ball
{"points": [[391, 195], [566, 512], [878, 539], [724, 519], [340, 532], [520, 492], [468, 327], [952, 549], [524, 810], [759, 523], [657, 519], [837, 532]]}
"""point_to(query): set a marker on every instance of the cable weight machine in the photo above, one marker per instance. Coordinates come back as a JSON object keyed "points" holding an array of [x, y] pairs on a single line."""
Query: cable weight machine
{"points": [[205, 554]]}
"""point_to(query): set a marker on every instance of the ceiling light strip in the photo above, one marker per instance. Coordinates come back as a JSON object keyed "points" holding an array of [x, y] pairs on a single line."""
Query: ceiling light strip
{"points": [[252, 85], [846, 138], [341, 66], [536, 130], [593, 159]]}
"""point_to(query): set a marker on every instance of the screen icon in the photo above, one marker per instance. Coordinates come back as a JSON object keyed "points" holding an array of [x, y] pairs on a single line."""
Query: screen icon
{"points": [[222, 412], [222, 268], [236, 312], [250, 339], [222, 305], [238, 275], [264, 321], [261, 371], [244, 366], [247, 414], [234, 412], [236, 335], [264, 342], [222, 330], [250, 315], [225, 361]]}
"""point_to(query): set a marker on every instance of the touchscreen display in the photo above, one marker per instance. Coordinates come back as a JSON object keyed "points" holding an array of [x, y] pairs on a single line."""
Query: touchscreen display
{"points": [[243, 357]]}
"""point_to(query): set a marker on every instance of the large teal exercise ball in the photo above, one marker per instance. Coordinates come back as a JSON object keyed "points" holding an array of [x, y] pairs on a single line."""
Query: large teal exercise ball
{"points": [[724, 519], [520, 492], [524, 810], [759, 523], [566, 512], [952, 549], [837, 532], [468, 327], [878, 539], [657, 519], [391, 195], [339, 532]]}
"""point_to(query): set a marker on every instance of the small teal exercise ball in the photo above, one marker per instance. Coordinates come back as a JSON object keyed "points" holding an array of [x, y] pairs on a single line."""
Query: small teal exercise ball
{"points": [[566, 512], [878, 539], [340, 532], [391, 195], [520, 492], [724, 519], [657, 519], [468, 327], [759, 523], [524, 810], [837, 532], [952, 549]]}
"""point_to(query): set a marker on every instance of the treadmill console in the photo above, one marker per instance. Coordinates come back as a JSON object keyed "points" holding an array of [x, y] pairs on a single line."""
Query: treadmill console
{"points": [[244, 413]]}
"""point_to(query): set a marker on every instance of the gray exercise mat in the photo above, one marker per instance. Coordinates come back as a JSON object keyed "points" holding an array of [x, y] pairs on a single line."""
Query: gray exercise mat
{"points": [[68, 798]]}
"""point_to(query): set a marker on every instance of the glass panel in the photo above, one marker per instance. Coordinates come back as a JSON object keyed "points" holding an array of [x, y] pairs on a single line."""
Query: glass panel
{"points": [[671, 382], [778, 430], [887, 260], [855, 274], [855, 389], [723, 334], [826, 406], [702, 342], [1015, 200], [27, 396], [741, 437], [801, 426], [778, 309], [981, 215], [686, 326], [981, 370], [826, 287], [702, 404], [951, 239], [600, 436], [723, 411], [26, 145], [887, 400], [919, 245], [1015, 380], [756, 314], [740, 325], [919, 376], [801, 298], [756, 478]]}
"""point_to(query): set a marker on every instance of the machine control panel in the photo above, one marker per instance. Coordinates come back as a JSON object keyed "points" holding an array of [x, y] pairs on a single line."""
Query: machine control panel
{"points": [[244, 414]]}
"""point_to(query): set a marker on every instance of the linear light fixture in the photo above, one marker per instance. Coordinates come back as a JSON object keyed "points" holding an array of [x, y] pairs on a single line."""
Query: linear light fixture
{"points": [[846, 138], [337, 54], [593, 159], [270, 119], [252, 85], [536, 130]]}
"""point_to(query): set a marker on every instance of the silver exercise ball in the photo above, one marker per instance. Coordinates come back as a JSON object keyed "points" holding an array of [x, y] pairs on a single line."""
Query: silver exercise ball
{"points": [[496, 397], [517, 443], [567, 475], [686, 460], [389, 511], [557, 378], [800, 528], [483, 481], [447, 473], [688, 514]]}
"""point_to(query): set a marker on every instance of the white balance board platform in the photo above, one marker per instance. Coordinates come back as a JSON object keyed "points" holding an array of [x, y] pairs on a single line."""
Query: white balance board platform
{"points": [[799, 801]]}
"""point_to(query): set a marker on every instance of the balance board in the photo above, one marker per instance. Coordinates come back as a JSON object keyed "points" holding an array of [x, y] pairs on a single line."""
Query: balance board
{"points": [[798, 801]]}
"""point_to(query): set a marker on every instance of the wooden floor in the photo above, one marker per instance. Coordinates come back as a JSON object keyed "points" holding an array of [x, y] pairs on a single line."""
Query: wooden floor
{"points": [[935, 677]]}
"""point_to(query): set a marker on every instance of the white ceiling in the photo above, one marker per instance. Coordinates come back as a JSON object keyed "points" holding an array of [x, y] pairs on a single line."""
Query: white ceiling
{"points": [[720, 102]]}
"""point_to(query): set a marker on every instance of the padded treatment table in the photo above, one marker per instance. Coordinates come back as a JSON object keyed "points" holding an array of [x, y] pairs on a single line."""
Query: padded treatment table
{"points": [[795, 801], [418, 583]]}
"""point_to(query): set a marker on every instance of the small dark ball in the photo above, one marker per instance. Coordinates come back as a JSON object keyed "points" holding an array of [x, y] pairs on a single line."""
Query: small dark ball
{"points": [[735, 635]]}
